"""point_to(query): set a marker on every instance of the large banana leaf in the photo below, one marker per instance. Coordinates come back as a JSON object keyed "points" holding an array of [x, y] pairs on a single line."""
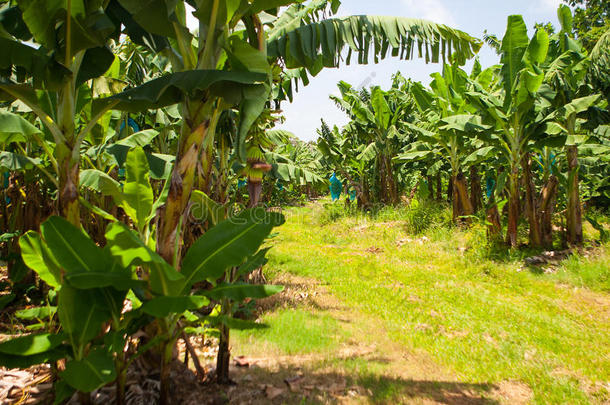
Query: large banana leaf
{"points": [[130, 250], [599, 70], [320, 44], [172, 89], [89, 25], [227, 244], [160, 307], [101, 182], [39, 63], [15, 128], [297, 14], [137, 197], [15, 161], [239, 292], [381, 108], [37, 256], [86, 265], [92, 372], [513, 48], [117, 13]]}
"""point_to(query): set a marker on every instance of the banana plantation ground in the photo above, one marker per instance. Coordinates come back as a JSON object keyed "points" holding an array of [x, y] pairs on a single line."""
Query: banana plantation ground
{"points": [[464, 257], [374, 312], [399, 306]]}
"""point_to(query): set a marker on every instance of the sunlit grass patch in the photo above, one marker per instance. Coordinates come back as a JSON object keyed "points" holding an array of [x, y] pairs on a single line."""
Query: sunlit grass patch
{"points": [[291, 331], [474, 308], [590, 272]]}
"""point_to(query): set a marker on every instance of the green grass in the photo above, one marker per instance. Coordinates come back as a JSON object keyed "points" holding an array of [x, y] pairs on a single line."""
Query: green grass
{"points": [[486, 320], [593, 272], [291, 331]]}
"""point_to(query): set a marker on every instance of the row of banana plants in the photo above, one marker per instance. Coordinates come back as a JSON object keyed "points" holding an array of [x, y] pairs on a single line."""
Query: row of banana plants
{"points": [[521, 125], [124, 132]]}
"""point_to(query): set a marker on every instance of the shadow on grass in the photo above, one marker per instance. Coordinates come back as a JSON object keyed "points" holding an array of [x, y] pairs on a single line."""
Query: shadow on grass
{"points": [[259, 384], [295, 295]]}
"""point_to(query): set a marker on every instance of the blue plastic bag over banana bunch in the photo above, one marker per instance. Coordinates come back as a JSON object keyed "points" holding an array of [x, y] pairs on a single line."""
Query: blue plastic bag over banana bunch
{"points": [[335, 187]]}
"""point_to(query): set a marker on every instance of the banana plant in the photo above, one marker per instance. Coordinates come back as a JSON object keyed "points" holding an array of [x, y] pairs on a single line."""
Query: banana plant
{"points": [[342, 152], [512, 111], [294, 161], [92, 284], [71, 39], [243, 60], [377, 121], [447, 125], [568, 115]]}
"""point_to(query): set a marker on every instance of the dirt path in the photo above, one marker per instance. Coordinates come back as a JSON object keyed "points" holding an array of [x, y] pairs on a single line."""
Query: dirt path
{"points": [[387, 373]]}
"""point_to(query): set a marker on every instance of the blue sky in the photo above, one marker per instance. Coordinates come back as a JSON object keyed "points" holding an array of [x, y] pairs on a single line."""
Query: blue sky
{"points": [[473, 16]]}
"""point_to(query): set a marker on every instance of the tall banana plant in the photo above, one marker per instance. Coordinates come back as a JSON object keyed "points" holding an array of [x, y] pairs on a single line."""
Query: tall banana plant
{"points": [[570, 101], [376, 121], [341, 151], [446, 126], [512, 110], [70, 40], [242, 58]]}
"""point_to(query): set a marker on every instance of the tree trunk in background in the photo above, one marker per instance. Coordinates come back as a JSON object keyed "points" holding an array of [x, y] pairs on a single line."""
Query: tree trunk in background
{"points": [[461, 191], [574, 211], [254, 192], [380, 197], [391, 183], [476, 196], [531, 203], [224, 356], [455, 201], [450, 188], [513, 207], [439, 187], [547, 207], [494, 229]]}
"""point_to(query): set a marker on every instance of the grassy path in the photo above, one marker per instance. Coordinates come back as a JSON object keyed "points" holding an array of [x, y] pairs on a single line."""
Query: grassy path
{"points": [[438, 321]]}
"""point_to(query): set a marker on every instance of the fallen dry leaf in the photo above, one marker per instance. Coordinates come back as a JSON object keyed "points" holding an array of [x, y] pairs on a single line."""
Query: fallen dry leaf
{"points": [[241, 361], [272, 392], [293, 383]]}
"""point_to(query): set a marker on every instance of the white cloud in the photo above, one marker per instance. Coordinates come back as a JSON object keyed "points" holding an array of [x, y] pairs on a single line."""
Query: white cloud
{"points": [[433, 10], [545, 6]]}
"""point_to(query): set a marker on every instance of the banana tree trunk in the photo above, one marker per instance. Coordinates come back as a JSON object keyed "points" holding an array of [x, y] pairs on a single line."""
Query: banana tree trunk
{"points": [[531, 203], [254, 192], [224, 352], [455, 201], [494, 229], [391, 182], [68, 190], [67, 154], [476, 196], [513, 207], [199, 122], [224, 356], [547, 207], [381, 192], [165, 377], [205, 168], [450, 188], [461, 193], [573, 212]]}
